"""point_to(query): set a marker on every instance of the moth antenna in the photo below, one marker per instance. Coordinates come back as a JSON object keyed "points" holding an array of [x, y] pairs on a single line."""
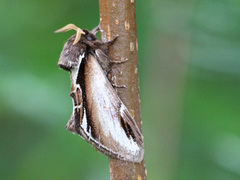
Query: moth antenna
{"points": [[96, 29], [72, 27]]}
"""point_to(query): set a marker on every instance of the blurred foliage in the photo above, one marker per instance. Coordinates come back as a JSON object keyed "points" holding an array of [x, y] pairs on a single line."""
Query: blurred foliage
{"points": [[189, 66]]}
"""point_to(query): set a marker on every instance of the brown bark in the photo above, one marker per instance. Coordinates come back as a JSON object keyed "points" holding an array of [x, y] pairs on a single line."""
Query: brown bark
{"points": [[117, 18]]}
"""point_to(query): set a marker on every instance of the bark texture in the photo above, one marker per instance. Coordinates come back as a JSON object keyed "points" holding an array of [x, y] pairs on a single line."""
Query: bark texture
{"points": [[118, 18]]}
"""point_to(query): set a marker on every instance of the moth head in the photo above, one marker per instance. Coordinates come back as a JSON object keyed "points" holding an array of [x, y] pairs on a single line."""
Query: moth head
{"points": [[75, 46]]}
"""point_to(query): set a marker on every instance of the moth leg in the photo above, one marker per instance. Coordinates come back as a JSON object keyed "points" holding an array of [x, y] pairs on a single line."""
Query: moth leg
{"points": [[109, 43], [111, 78], [113, 81], [118, 62], [96, 29], [118, 86]]}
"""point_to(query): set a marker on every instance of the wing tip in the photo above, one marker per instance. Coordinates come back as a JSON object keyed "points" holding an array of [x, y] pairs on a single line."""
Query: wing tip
{"points": [[130, 126], [70, 126], [136, 158]]}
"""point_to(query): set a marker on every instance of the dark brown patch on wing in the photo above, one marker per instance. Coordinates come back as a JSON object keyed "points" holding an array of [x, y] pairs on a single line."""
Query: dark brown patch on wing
{"points": [[131, 127], [124, 127], [130, 131], [78, 109], [81, 80], [77, 119], [77, 97], [127, 128]]}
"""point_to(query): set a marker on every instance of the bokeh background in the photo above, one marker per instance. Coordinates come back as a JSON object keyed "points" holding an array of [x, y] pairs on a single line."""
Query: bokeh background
{"points": [[189, 66]]}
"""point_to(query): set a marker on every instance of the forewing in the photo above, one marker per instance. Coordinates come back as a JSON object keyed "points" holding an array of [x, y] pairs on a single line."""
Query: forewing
{"points": [[106, 120]]}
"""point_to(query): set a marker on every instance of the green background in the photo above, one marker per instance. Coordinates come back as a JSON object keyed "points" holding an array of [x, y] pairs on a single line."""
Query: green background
{"points": [[189, 67]]}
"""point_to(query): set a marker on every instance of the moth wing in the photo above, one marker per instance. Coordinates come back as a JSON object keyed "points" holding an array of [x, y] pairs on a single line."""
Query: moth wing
{"points": [[71, 125], [106, 122]]}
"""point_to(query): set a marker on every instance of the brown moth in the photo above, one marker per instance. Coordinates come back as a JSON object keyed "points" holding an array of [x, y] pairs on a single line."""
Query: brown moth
{"points": [[99, 116]]}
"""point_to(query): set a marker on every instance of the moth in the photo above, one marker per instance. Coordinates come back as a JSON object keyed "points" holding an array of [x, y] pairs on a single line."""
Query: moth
{"points": [[99, 116]]}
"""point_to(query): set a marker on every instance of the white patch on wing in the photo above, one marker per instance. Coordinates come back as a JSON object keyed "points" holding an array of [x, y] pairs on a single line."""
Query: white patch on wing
{"points": [[84, 123], [122, 109], [80, 106]]}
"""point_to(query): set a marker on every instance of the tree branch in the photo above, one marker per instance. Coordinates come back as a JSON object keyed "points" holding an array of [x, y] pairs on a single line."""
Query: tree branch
{"points": [[117, 18]]}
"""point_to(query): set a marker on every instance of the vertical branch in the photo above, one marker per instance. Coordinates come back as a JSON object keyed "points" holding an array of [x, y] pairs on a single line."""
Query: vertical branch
{"points": [[117, 18]]}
